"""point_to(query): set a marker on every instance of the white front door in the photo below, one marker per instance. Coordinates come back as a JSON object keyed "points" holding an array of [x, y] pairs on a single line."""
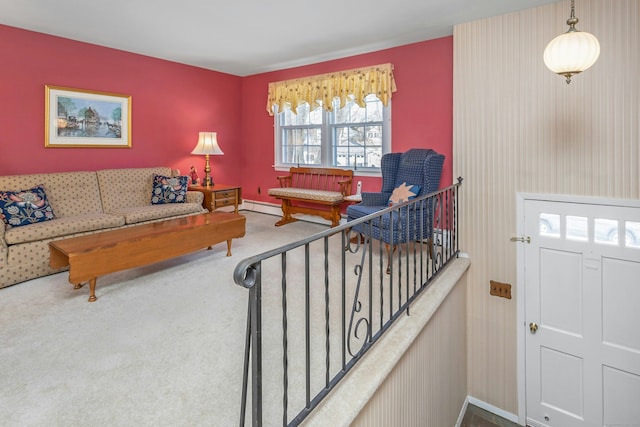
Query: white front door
{"points": [[582, 313]]}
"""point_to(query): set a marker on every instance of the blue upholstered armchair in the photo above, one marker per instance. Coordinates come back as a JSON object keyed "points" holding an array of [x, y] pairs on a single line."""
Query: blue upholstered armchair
{"points": [[416, 167]]}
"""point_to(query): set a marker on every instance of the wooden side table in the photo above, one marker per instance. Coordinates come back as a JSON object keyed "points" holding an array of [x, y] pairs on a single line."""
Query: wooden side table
{"points": [[219, 195]]}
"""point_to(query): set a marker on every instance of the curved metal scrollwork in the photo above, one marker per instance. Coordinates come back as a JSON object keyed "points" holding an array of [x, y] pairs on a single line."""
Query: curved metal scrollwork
{"points": [[436, 234], [354, 331], [353, 242]]}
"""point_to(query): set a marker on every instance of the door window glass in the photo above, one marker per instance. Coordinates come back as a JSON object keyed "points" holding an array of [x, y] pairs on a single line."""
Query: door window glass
{"points": [[605, 231], [549, 225], [577, 228]]}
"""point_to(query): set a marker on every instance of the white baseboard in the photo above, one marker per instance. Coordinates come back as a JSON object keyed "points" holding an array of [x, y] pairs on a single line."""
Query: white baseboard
{"points": [[487, 407], [261, 207]]}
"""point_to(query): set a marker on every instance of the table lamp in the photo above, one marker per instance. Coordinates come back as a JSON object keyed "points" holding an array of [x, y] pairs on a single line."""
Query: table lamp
{"points": [[207, 145]]}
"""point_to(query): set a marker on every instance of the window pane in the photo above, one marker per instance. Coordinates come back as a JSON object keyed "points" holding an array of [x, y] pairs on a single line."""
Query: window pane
{"points": [[303, 117], [315, 116], [549, 225], [605, 231], [355, 146], [357, 134], [301, 146], [577, 227], [353, 113], [632, 235]]}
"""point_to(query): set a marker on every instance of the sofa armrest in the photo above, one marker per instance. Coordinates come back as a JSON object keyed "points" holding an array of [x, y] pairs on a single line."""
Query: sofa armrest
{"points": [[375, 199], [3, 246], [195, 197]]}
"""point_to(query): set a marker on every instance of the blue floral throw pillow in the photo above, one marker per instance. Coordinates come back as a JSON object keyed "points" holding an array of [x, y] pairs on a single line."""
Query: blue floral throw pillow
{"points": [[169, 189], [25, 207], [403, 193]]}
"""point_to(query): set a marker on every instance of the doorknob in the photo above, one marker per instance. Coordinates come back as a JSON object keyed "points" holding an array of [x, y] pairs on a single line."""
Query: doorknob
{"points": [[533, 327]]}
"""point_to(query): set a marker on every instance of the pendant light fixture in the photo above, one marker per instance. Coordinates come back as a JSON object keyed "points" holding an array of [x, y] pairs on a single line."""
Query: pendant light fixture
{"points": [[572, 52]]}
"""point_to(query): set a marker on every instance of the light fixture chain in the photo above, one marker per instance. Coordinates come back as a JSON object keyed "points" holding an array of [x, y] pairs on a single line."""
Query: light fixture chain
{"points": [[572, 21]]}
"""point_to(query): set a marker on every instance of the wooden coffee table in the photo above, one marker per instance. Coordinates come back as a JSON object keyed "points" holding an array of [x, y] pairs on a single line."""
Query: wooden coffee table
{"points": [[106, 252]]}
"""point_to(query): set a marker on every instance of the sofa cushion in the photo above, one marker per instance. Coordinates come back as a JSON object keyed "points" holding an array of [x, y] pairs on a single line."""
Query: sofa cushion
{"points": [[124, 188], [24, 207], [136, 214], [62, 227], [304, 193], [167, 189], [68, 193]]}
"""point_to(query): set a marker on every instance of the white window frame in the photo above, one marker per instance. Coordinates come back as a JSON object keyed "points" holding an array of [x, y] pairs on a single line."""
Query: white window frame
{"points": [[327, 131]]}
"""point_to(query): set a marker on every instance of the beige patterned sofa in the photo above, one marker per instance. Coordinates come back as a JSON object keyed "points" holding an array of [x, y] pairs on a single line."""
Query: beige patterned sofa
{"points": [[83, 203]]}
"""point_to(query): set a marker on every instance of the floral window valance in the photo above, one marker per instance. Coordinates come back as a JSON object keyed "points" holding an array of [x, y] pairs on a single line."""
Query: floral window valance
{"points": [[323, 88]]}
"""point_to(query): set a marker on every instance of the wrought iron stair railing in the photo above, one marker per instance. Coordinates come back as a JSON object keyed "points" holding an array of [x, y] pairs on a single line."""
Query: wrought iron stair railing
{"points": [[317, 305]]}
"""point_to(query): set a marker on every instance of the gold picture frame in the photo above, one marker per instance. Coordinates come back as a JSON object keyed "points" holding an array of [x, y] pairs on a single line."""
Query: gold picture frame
{"points": [[86, 118]]}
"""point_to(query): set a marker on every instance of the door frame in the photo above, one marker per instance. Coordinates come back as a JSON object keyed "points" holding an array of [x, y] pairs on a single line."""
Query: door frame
{"points": [[521, 198]]}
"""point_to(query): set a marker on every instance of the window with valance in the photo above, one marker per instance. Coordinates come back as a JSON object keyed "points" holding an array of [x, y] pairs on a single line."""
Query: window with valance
{"points": [[320, 90], [352, 129]]}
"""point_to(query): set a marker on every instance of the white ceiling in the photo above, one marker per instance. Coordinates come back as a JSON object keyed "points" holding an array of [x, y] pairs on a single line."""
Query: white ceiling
{"points": [[245, 37]]}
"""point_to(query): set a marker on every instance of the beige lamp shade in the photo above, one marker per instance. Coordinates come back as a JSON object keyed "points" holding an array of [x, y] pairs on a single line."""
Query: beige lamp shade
{"points": [[207, 144]]}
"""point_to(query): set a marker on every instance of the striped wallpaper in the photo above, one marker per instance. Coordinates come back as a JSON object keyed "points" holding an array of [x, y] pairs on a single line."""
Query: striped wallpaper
{"points": [[520, 128]]}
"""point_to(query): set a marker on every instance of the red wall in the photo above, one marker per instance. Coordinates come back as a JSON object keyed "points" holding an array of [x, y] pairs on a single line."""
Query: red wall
{"points": [[172, 102], [422, 108]]}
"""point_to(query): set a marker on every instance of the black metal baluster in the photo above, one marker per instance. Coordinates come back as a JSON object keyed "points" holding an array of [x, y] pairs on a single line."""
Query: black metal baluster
{"points": [[307, 327], [245, 370], [345, 241], [326, 313], [255, 294]]}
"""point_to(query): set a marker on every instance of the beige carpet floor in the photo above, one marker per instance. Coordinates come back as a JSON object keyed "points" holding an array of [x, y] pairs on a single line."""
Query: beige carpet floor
{"points": [[162, 346]]}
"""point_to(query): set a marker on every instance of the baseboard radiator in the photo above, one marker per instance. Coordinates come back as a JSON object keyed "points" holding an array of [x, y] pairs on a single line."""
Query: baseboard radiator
{"points": [[316, 307]]}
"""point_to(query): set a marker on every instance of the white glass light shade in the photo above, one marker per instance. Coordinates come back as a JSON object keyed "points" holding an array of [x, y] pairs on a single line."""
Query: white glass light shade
{"points": [[207, 144], [571, 53]]}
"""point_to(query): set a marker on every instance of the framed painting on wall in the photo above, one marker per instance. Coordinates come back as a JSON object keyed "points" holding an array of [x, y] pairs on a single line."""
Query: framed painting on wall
{"points": [[85, 118]]}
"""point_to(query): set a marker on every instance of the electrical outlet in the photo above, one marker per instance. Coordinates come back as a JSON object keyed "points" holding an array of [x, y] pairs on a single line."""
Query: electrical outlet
{"points": [[500, 289]]}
